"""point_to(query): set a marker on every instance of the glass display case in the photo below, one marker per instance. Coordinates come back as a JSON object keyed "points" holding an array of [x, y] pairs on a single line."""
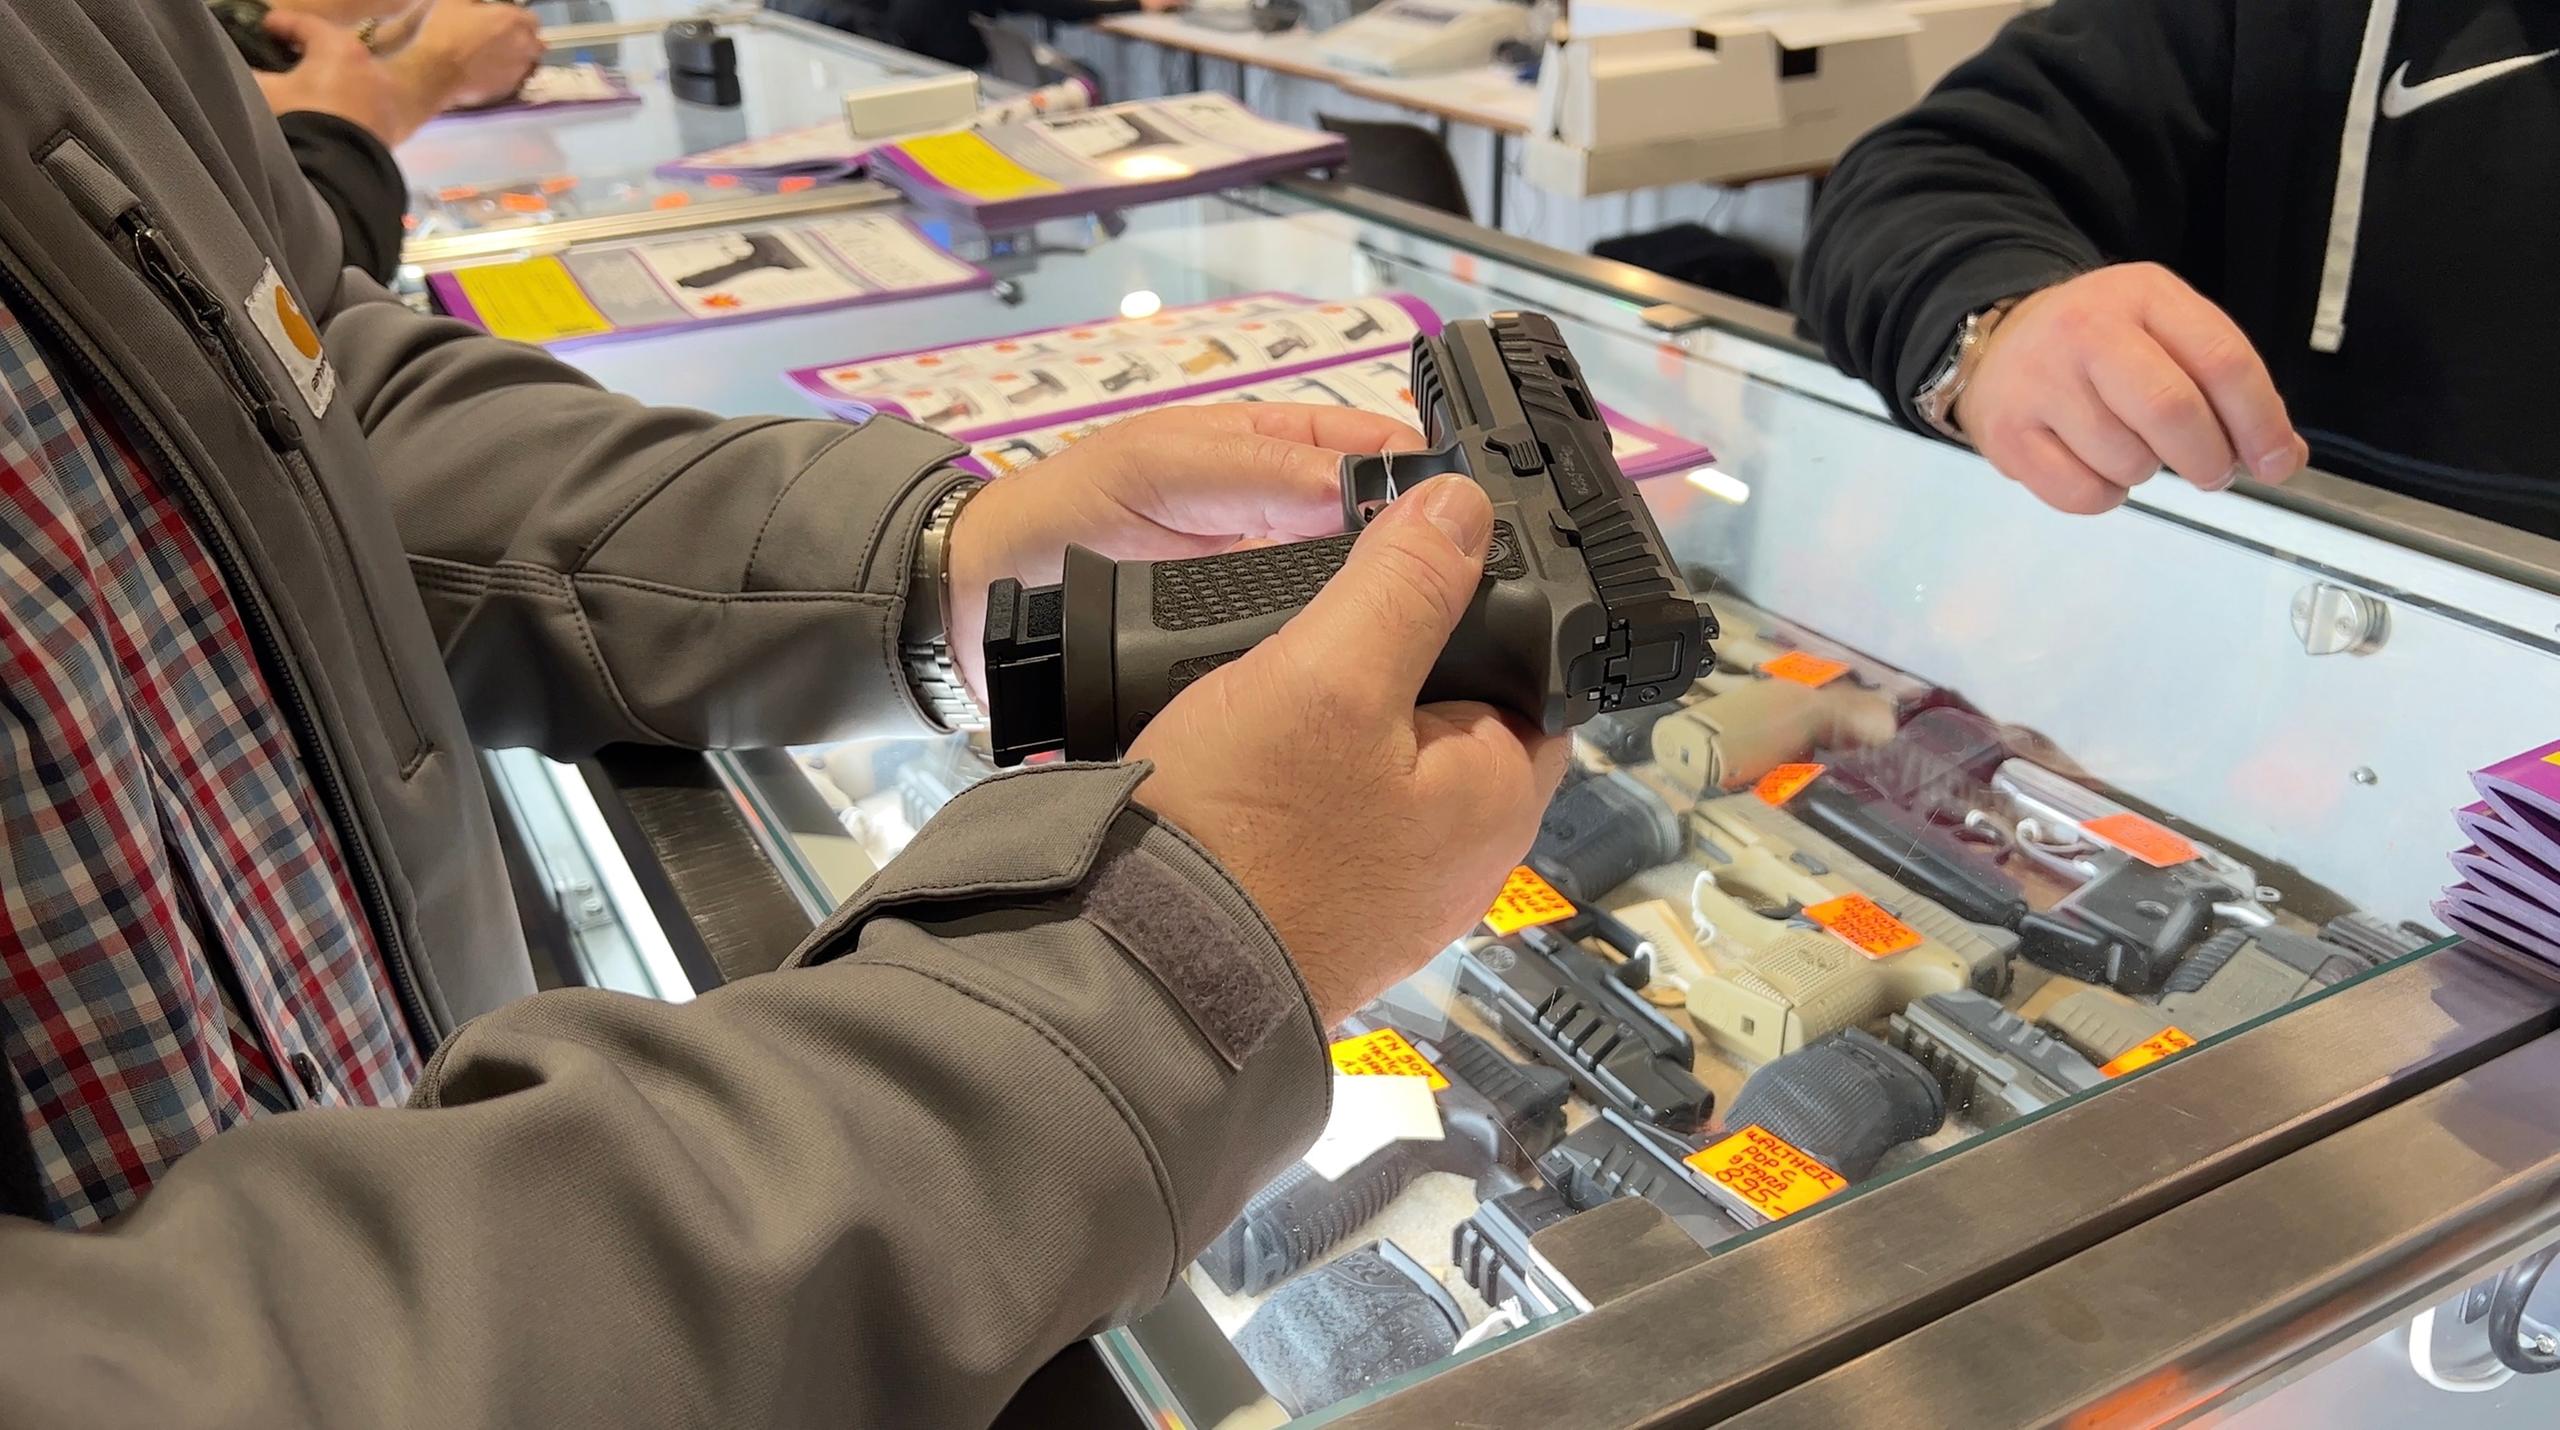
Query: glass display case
{"points": [[2013, 877], [501, 183]]}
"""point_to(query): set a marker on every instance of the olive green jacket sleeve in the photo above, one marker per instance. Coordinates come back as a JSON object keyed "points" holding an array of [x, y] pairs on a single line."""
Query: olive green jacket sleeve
{"points": [[997, 1104]]}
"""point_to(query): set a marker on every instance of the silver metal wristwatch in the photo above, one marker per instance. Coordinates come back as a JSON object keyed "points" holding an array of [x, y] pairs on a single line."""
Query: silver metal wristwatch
{"points": [[924, 638], [1936, 399]]}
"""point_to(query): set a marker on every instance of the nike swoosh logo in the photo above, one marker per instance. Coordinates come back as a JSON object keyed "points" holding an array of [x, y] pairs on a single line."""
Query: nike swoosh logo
{"points": [[2399, 97]]}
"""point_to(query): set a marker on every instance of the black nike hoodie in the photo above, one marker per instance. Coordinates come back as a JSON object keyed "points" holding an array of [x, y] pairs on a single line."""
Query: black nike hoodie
{"points": [[2371, 190]]}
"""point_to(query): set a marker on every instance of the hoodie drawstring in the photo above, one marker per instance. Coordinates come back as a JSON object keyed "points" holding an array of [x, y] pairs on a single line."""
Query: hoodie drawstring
{"points": [[2346, 208]]}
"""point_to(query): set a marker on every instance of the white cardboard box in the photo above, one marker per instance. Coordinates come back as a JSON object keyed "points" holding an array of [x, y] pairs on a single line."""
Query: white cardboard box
{"points": [[1755, 92]]}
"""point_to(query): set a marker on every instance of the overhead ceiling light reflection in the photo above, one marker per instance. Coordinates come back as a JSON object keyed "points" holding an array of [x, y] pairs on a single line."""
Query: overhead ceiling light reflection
{"points": [[1722, 485], [1140, 168], [1142, 304]]}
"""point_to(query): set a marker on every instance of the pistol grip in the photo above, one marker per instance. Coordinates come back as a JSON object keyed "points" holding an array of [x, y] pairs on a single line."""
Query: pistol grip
{"points": [[1289, 1225], [1138, 633]]}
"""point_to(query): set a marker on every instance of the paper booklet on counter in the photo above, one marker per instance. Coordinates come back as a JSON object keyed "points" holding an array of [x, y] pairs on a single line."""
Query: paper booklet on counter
{"points": [[1114, 157], [831, 152], [605, 291], [2508, 893], [551, 88], [1017, 399]]}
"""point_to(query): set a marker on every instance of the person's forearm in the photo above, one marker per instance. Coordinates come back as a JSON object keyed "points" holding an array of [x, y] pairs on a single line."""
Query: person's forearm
{"points": [[2084, 134], [1052, 1054], [673, 577], [355, 175]]}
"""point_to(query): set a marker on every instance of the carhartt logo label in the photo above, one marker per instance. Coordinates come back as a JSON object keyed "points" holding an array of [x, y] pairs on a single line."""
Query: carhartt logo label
{"points": [[2400, 97], [293, 339], [297, 328]]}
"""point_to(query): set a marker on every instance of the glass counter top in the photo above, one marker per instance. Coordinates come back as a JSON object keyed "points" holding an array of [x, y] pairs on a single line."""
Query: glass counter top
{"points": [[2224, 733], [475, 173]]}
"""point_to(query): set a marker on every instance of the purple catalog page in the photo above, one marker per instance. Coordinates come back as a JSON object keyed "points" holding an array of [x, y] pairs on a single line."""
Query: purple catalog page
{"points": [[2494, 932], [553, 89], [2500, 880], [1113, 157], [609, 292], [1020, 398]]}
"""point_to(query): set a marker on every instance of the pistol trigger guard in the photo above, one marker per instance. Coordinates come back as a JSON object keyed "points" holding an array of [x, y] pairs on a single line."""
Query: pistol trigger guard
{"points": [[1370, 480]]}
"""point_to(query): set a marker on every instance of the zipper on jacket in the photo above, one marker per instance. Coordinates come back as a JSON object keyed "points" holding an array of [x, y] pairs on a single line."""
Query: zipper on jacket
{"points": [[202, 308], [183, 288], [220, 337]]}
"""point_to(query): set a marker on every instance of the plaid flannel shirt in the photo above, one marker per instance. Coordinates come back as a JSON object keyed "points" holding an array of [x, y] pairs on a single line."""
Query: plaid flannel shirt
{"points": [[181, 946]]}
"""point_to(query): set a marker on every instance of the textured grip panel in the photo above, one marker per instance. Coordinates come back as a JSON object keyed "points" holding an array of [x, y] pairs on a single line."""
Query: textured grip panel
{"points": [[1298, 1218], [1847, 1101], [1370, 1316], [1240, 585]]}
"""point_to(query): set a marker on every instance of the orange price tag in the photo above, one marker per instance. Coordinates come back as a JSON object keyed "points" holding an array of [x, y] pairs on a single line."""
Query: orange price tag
{"points": [[670, 201], [1806, 668], [1766, 1172], [1525, 902], [523, 203], [1383, 1053], [2144, 840], [1785, 782], [1865, 924], [2150, 1050], [1462, 266], [795, 184]]}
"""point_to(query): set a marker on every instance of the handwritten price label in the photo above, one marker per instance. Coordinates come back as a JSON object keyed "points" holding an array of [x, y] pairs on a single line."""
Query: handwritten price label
{"points": [[2141, 838], [1384, 1053], [2150, 1050], [1805, 668], [1526, 901], [1785, 782], [1866, 925], [1766, 1173]]}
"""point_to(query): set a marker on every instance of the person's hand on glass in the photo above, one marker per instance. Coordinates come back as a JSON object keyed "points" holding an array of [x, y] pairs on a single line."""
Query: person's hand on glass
{"points": [[2089, 388], [336, 74], [468, 53]]}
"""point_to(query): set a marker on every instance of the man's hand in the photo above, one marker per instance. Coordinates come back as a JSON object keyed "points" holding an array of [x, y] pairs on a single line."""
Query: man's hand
{"points": [[469, 53], [1184, 481], [1371, 832], [2087, 389], [337, 75]]}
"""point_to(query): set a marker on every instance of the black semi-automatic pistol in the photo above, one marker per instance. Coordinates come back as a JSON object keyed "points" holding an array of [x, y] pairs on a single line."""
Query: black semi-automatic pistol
{"points": [[1582, 609]]}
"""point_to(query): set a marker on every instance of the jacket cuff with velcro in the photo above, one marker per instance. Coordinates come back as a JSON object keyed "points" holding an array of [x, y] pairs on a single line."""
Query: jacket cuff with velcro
{"points": [[1052, 892]]}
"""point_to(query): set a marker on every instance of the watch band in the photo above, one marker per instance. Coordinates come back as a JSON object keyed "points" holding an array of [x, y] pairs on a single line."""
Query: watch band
{"points": [[924, 637], [1936, 399]]}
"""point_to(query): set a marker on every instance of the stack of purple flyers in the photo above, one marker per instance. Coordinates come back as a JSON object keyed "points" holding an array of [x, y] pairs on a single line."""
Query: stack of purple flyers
{"points": [[2508, 894]]}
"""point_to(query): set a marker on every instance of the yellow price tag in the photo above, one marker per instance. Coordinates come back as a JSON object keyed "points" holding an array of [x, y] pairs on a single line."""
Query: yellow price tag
{"points": [[2150, 1050], [1383, 1053], [1526, 901], [1766, 1172], [974, 167], [535, 301]]}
